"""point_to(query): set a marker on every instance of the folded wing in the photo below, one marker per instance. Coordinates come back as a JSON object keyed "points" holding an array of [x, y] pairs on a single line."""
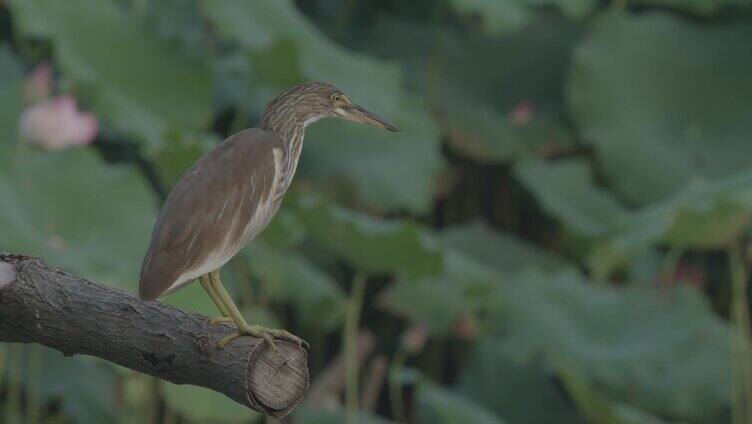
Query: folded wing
{"points": [[218, 205]]}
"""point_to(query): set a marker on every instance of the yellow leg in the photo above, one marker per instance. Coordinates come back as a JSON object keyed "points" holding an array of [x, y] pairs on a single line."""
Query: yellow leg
{"points": [[206, 284], [243, 327]]}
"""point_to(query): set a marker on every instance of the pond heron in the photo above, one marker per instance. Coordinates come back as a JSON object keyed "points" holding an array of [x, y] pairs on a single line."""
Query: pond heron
{"points": [[230, 195]]}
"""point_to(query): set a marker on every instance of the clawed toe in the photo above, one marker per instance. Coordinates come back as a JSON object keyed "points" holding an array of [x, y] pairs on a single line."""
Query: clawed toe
{"points": [[286, 335], [225, 340], [267, 334], [222, 320]]}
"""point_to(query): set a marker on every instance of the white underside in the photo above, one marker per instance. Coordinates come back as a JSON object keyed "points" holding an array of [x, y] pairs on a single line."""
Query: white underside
{"points": [[261, 217]]}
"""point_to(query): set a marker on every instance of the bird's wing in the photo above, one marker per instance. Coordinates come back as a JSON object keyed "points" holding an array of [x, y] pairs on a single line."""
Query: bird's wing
{"points": [[206, 214]]}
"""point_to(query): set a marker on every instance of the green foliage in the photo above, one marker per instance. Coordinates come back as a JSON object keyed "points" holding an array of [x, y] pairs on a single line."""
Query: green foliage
{"points": [[290, 277], [566, 190], [699, 7], [503, 16], [84, 388], [355, 154], [140, 85], [644, 93], [351, 159], [471, 272], [309, 415], [566, 169], [664, 355], [478, 242], [520, 394], [48, 199], [437, 405], [202, 405], [704, 215], [10, 102], [372, 245]]}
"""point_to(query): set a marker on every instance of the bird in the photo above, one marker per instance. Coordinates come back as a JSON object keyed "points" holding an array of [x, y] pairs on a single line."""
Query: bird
{"points": [[231, 194]]}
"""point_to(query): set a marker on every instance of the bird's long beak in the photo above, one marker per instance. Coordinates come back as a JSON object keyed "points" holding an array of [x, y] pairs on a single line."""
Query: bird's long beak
{"points": [[358, 114]]}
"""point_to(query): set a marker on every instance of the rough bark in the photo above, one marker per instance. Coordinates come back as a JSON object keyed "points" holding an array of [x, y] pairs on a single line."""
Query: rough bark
{"points": [[42, 304]]}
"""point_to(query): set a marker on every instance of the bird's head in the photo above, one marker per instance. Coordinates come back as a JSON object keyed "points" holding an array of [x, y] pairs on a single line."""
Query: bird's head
{"points": [[307, 103]]}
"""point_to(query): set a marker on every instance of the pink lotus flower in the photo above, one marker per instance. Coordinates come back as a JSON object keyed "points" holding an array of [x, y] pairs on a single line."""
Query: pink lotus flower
{"points": [[415, 338], [39, 84], [522, 114], [466, 328], [56, 124]]}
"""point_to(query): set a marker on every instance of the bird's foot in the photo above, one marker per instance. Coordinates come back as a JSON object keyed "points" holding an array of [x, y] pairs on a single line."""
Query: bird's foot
{"points": [[268, 334], [223, 320]]}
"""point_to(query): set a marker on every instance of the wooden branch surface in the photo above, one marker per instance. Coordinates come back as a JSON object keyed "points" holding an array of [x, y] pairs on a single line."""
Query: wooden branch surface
{"points": [[42, 304]]}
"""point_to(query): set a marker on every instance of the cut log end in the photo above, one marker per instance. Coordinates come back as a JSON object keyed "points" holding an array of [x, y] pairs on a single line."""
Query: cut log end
{"points": [[7, 273], [278, 396]]}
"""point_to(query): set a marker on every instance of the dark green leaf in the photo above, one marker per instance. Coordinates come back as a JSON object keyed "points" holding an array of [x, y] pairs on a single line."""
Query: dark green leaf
{"points": [[476, 262], [520, 394], [200, 405], [11, 102], [393, 171], [503, 16], [285, 231], [290, 277], [177, 157], [179, 22], [133, 80], [436, 405], [668, 355], [314, 415], [567, 191], [502, 252], [78, 214], [499, 16], [371, 244], [437, 302], [707, 214], [83, 386], [641, 88], [486, 136], [699, 7]]}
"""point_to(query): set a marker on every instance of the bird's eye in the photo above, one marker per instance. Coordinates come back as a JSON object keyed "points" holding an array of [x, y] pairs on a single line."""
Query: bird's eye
{"points": [[336, 98]]}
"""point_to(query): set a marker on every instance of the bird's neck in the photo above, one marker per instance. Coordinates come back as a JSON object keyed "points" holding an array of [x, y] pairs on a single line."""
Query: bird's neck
{"points": [[292, 133], [290, 127]]}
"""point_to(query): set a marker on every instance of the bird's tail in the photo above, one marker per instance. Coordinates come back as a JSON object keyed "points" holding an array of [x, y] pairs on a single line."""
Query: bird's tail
{"points": [[155, 278]]}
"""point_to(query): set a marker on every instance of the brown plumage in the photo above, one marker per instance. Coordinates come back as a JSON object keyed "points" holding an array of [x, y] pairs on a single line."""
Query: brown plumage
{"points": [[209, 215], [198, 217]]}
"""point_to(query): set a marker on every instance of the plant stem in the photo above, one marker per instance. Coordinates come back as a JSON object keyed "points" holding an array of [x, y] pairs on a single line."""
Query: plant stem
{"points": [[150, 413], [435, 65], [742, 367], [13, 400], [352, 322], [243, 278], [395, 389], [169, 416], [670, 262], [3, 360], [35, 367], [156, 395], [348, 10], [594, 406]]}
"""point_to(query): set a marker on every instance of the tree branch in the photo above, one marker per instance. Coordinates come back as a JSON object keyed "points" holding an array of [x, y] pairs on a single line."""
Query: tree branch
{"points": [[42, 304]]}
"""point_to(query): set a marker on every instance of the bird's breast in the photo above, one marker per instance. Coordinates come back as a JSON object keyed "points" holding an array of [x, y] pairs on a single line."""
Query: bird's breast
{"points": [[287, 165], [270, 201]]}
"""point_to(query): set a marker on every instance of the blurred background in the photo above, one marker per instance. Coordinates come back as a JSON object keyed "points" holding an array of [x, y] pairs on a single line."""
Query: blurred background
{"points": [[560, 235]]}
